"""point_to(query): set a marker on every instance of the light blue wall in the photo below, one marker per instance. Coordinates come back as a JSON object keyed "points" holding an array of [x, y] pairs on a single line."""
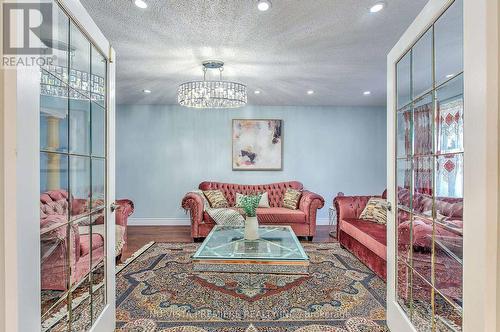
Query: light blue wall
{"points": [[165, 151]]}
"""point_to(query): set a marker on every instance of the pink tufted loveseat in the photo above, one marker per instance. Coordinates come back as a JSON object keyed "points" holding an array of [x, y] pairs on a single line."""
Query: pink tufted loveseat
{"points": [[56, 252], [302, 220]]}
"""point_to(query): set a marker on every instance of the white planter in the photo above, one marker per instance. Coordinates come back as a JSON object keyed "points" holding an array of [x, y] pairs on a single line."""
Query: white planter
{"points": [[251, 229]]}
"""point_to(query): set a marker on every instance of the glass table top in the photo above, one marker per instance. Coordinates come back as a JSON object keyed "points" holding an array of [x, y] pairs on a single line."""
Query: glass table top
{"points": [[275, 243]]}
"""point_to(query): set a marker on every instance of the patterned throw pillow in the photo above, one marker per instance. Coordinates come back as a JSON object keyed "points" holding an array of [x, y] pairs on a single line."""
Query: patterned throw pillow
{"points": [[263, 203], [216, 199], [291, 199], [375, 210]]}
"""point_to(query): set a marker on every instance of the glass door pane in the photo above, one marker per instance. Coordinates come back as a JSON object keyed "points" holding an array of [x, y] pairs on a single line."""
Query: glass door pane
{"points": [[429, 176], [72, 181]]}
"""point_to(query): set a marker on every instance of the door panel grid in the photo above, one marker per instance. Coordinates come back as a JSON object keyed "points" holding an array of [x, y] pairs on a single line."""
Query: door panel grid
{"points": [[429, 176], [72, 180]]}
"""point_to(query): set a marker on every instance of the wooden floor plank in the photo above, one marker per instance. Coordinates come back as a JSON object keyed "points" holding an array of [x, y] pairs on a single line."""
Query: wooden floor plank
{"points": [[140, 235]]}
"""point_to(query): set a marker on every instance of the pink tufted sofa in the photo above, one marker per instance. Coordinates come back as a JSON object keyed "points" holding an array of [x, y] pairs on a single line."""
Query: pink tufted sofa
{"points": [[55, 249], [302, 220], [368, 240]]}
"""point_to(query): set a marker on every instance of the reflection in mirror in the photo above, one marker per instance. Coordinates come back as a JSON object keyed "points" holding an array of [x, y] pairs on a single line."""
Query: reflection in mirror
{"points": [[79, 139], [58, 45], [403, 286], [53, 116], [79, 78], [404, 137], [422, 304], [403, 80], [449, 43], [429, 176], [72, 128], [98, 78], [422, 247], [98, 182], [80, 186], [423, 118], [447, 317], [422, 64], [98, 131], [403, 182], [423, 186], [450, 116]]}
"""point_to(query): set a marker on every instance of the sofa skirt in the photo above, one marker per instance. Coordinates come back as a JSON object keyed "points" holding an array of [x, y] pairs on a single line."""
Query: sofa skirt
{"points": [[365, 255]]}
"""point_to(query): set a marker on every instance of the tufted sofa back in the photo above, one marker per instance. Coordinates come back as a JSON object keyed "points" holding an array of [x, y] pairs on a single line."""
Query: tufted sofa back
{"points": [[276, 191], [54, 203]]}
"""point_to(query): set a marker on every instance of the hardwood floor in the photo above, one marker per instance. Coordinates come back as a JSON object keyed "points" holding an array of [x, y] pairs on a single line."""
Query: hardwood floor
{"points": [[140, 235]]}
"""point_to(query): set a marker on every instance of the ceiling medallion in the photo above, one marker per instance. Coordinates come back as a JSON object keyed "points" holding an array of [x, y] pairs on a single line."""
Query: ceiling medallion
{"points": [[212, 94]]}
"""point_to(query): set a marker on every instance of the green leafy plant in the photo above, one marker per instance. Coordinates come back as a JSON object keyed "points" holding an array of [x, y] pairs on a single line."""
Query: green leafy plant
{"points": [[249, 204]]}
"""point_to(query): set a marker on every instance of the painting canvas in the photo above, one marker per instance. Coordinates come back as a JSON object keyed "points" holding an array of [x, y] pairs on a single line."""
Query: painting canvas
{"points": [[257, 145]]}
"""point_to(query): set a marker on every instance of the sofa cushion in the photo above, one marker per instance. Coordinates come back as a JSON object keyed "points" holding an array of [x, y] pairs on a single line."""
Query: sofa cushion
{"points": [[264, 200], [372, 235], [280, 216], [375, 210], [216, 199], [291, 199]]}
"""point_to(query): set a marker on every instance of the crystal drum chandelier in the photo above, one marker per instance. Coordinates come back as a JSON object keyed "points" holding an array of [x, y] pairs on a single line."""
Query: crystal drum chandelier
{"points": [[212, 94]]}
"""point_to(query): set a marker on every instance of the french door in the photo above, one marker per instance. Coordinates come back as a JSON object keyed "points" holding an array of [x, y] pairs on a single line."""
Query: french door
{"points": [[443, 170], [74, 172], [426, 116], [63, 233]]}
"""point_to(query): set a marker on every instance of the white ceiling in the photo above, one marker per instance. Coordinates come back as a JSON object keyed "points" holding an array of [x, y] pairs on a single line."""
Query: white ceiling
{"points": [[334, 47]]}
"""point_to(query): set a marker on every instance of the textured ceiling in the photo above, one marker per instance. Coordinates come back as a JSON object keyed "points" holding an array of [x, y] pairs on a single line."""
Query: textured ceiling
{"points": [[334, 47]]}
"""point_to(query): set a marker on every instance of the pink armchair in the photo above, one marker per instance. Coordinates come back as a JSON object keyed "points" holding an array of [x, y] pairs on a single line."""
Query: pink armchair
{"points": [[302, 220], [57, 253]]}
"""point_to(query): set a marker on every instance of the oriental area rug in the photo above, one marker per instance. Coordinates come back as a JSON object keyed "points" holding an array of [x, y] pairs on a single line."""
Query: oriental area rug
{"points": [[159, 291]]}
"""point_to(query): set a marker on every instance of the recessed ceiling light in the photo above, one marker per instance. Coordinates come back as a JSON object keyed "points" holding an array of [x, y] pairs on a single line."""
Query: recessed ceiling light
{"points": [[264, 5], [257, 92], [146, 91], [367, 93], [450, 75], [141, 4], [377, 7], [310, 92]]}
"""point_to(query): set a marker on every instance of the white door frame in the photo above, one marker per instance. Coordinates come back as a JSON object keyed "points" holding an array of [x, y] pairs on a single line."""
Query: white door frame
{"points": [[20, 183], [481, 160]]}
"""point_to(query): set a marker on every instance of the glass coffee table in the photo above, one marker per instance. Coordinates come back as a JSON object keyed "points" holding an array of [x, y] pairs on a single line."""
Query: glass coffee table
{"points": [[277, 251]]}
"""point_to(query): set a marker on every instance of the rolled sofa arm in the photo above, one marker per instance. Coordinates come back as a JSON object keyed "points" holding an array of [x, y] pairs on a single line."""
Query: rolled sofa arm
{"points": [[124, 210], [310, 203], [193, 204]]}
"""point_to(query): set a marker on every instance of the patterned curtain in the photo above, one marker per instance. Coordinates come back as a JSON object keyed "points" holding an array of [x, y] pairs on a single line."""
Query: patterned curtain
{"points": [[423, 175], [422, 124], [450, 139], [423, 129], [450, 125]]}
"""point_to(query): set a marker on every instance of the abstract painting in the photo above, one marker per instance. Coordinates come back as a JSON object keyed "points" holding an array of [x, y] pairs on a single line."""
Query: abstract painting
{"points": [[257, 145]]}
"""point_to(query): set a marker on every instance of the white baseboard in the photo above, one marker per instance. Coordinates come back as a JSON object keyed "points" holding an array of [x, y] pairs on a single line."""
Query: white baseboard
{"points": [[322, 221], [159, 222], [182, 221]]}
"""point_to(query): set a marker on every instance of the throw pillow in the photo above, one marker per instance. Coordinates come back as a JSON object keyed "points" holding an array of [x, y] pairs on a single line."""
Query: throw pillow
{"points": [[375, 210], [216, 199], [263, 203], [291, 199]]}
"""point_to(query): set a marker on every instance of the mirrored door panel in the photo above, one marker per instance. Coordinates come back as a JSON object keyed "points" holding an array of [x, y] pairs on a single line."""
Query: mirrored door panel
{"points": [[72, 180], [429, 179]]}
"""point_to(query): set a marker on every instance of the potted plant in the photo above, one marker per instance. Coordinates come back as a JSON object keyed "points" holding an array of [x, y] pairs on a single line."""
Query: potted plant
{"points": [[249, 204]]}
